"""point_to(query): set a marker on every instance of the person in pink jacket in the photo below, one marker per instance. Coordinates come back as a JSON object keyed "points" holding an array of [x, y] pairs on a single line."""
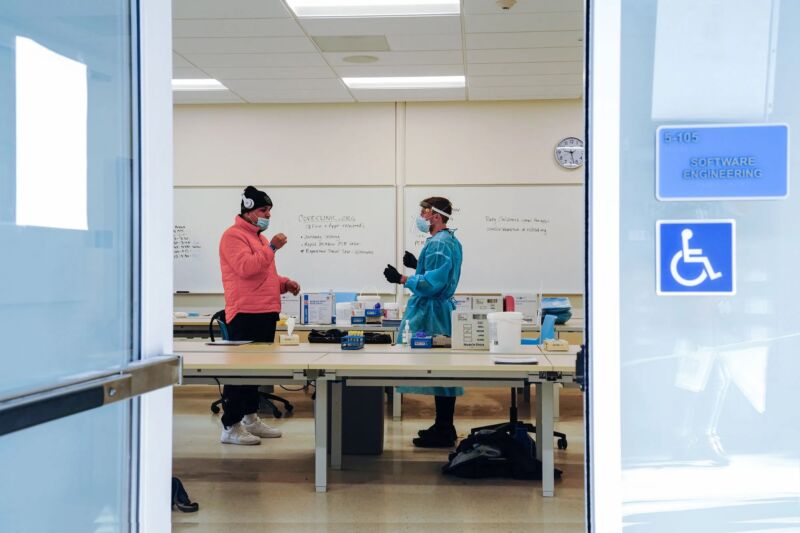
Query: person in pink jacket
{"points": [[253, 291]]}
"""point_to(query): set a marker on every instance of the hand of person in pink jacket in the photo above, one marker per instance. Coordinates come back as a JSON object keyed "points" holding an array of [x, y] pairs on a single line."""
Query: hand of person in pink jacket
{"points": [[278, 241], [293, 287]]}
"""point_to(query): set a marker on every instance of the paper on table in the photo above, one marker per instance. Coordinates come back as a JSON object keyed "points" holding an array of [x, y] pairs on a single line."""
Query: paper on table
{"points": [[518, 360], [229, 343]]}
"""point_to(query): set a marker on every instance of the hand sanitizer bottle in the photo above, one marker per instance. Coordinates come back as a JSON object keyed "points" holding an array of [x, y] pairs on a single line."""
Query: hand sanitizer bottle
{"points": [[407, 334]]}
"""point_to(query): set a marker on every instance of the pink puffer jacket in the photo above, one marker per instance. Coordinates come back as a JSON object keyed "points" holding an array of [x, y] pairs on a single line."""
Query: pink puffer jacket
{"points": [[249, 277]]}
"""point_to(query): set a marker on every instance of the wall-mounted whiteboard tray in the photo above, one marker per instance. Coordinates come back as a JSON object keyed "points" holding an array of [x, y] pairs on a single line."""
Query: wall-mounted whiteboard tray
{"points": [[340, 238], [515, 238]]}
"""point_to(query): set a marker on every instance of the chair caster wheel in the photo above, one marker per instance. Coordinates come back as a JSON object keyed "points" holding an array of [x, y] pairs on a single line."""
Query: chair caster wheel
{"points": [[277, 414], [562, 444], [215, 409]]}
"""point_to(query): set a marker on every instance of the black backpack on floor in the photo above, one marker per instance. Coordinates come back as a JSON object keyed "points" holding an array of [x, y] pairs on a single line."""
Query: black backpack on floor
{"points": [[495, 453]]}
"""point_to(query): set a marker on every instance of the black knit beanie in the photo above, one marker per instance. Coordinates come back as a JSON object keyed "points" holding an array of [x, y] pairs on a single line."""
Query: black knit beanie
{"points": [[252, 198]]}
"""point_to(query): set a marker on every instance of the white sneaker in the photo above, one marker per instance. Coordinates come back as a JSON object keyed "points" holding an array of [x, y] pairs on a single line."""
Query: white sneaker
{"points": [[260, 429], [237, 434]]}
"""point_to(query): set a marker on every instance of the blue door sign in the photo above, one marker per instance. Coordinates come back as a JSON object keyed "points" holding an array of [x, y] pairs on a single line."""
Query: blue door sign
{"points": [[722, 162], [695, 257]]}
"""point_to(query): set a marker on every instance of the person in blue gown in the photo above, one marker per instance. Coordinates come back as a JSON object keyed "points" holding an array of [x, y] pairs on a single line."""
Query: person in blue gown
{"points": [[429, 309]]}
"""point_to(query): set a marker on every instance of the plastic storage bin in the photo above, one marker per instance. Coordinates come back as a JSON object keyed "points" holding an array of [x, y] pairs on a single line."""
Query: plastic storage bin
{"points": [[505, 332]]}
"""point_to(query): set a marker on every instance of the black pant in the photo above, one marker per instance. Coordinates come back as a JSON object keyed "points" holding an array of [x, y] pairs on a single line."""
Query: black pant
{"points": [[445, 409], [239, 400]]}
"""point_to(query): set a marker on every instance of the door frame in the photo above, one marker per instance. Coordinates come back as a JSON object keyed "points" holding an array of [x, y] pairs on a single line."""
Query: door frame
{"points": [[153, 490]]}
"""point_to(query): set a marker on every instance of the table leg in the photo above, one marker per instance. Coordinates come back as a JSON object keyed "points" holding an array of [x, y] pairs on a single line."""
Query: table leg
{"points": [[397, 405], [336, 425], [321, 436], [557, 400], [544, 422]]}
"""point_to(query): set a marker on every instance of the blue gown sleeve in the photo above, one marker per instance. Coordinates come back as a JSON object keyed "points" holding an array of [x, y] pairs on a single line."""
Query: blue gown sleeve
{"points": [[437, 267]]}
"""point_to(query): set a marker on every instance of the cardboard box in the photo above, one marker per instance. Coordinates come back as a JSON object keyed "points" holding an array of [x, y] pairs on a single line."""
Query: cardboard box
{"points": [[525, 303], [488, 304], [290, 305], [318, 308], [470, 330]]}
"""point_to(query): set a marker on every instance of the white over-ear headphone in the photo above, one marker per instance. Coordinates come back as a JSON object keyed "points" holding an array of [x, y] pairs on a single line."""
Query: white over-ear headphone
{"points": [[248, 203]]}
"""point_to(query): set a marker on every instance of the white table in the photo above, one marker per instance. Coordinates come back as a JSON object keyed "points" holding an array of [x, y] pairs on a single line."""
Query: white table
{"points": [[378, 365]]}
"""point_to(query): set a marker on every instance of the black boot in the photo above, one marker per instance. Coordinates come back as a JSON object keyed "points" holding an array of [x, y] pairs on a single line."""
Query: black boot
{"points": [[180, 498], [436, 437]]}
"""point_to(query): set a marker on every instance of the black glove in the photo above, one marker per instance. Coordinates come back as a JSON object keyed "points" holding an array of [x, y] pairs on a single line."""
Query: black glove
{"points": [[391, 273], [409, 260]]}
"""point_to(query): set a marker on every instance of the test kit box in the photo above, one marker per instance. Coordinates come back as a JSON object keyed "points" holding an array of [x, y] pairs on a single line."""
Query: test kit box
{"points": [[290, 305], [488, 304], [470, 330], [523, 302], [318, 308], [463, 302]]}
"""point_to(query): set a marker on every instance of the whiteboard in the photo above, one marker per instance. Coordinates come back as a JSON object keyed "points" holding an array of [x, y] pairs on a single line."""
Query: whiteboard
{"points": [[340, 238], [514, 237]]}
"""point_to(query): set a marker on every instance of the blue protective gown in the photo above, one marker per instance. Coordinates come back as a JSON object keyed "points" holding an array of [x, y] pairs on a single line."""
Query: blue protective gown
{"points": [[431, 304]]}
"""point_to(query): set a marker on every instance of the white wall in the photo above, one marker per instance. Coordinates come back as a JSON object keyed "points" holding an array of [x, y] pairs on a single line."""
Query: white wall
{"points": [[475, 143], [480, 143]]}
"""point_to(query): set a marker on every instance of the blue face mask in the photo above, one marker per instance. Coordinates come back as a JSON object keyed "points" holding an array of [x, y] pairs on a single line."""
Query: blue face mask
{"points": [[262, 223], [423, 225]]}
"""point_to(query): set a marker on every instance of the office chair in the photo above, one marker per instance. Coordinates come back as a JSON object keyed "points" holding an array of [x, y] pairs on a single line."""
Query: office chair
{"points": [[266, 397], [548, 332]]}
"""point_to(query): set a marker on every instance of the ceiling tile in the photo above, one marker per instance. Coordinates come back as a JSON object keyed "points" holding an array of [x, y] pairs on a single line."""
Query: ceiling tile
{"points": [[205, 97], [524, 81], [242, 45], [226, 9], [472, 7], [532, 55], [537, 39], [362, 71], [256, 60], [525, 69], [383, 25], [405, 43], [188, 73], [525, 93], [351, 43], [265, 73], [523, 22], [452, 57], [180, 61], [236, 28]]}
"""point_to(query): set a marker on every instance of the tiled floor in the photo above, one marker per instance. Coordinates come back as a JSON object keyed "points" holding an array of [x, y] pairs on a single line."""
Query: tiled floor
{"points": [[270, 487]]}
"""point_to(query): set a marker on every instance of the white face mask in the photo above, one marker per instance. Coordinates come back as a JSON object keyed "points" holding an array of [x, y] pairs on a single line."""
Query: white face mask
{"points": [[262, 223], [423, 225]]}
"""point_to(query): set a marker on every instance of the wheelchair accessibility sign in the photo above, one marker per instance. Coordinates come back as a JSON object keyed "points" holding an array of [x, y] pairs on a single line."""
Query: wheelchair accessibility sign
{"points": [[695, 257]]}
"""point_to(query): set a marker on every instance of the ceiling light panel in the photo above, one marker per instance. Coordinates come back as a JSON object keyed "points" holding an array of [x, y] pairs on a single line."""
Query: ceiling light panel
{"points": [[410, 82], [372, 8], [206, 84]]}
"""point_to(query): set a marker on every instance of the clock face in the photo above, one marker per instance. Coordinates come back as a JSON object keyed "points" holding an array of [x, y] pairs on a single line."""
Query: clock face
{"points": [[569, 152]]}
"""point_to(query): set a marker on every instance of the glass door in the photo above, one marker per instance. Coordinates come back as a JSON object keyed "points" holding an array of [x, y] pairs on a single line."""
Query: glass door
{"points": [[693, 215], [71, 270]]}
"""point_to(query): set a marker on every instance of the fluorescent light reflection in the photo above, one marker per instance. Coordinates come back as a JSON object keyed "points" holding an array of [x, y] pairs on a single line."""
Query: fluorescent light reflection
{"points": [[51, 120], [418, 82], [373, 8], [208, 84]]}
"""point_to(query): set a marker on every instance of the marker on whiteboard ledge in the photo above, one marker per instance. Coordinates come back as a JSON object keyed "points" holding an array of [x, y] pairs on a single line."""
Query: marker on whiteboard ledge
{"points": [[182, 292]]}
